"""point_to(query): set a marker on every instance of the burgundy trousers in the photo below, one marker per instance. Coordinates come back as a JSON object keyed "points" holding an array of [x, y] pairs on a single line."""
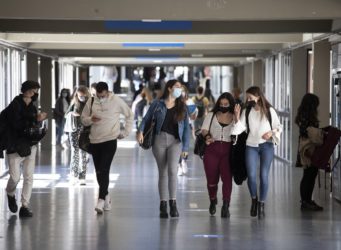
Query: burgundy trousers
{"points": [[217, 165]]}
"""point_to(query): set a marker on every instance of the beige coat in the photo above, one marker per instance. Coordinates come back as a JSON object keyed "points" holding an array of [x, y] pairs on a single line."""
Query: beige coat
{"points": [[307, 146]]}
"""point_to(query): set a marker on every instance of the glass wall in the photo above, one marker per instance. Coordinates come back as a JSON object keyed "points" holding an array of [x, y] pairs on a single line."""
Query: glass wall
{"points": [[278, 92], [12, 74]]}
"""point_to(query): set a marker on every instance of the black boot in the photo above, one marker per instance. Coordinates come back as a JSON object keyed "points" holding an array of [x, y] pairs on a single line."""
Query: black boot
{"points": [[213, 206], [173, 210], [163, 209], [225, 213], [12, 204], [261, 212], [253, 211]]}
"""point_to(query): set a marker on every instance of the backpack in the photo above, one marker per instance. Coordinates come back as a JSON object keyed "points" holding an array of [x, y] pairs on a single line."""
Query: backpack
{"points": [[201, 106], [4, 131]]}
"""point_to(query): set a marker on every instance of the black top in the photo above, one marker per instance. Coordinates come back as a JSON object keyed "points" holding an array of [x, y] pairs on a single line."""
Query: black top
{"points": [[223, 124], [170, 125]]}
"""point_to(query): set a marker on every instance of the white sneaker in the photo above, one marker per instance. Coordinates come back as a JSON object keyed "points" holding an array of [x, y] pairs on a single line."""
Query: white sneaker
{"points": [[179, 170], [100, 206], [184, 167], [107, 203]]}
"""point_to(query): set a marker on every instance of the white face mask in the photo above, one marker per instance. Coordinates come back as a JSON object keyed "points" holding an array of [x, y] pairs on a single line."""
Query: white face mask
{"points": [[103, 99], [177, 92], [82, 98]]}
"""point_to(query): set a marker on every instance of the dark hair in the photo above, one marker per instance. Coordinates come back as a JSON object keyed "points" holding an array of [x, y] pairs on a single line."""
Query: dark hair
{"points": [[180, 105], [101, 86], [263, 102], [307, 111], [28, 85], [68, 98], [200, 90], [225, 95]]}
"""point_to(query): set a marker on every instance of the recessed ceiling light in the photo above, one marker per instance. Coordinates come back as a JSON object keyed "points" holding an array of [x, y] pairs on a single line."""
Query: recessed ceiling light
{"points": [[151, 20], [197, 55], [154, 50], [157, 61]]}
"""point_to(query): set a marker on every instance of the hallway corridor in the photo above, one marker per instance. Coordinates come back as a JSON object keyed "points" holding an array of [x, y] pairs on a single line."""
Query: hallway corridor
{"points": [[64, 216]]}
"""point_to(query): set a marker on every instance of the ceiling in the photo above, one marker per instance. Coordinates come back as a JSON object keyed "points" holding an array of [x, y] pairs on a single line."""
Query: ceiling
{"points": [[164, 32]]}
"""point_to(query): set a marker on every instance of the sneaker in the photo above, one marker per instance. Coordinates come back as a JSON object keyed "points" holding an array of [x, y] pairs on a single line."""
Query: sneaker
{"points": [[82, 182], [180, 173], [184, 167], [100, 206], [12, 204], [25, 212], [107, 203]]}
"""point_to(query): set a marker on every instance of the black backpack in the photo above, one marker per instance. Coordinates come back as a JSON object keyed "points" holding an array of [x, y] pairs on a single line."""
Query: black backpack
{"points": [[200, 105]]}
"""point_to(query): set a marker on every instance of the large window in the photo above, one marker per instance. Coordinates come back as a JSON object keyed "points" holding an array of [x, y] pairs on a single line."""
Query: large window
{"points": [[278, 92], [12, 74]]}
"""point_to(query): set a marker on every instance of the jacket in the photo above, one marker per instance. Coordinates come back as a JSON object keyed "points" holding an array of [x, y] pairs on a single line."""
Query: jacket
{"points": [[308, 144], [108, 128], [160, 109]]}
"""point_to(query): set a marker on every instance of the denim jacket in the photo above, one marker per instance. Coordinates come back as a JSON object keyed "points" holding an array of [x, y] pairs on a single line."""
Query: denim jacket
{"points": [[160, 114]]}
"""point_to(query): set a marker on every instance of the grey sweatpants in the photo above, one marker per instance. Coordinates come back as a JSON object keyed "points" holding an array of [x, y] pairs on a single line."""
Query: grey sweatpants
{"points": [[166, 150]]}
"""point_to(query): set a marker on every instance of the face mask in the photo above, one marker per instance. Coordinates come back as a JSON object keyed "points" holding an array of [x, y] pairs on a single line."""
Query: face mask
{"points": [[103, 99], [177, 92], [34, 97], [64, 95], [224, 109], [251, 104], [82, 98]]}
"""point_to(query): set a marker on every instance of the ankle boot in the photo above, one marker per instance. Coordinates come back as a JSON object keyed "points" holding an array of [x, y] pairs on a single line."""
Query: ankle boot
{"points": [[261, 212], [253, 211], [225, 213], [163, 209], [173, 210], [212, 208]]}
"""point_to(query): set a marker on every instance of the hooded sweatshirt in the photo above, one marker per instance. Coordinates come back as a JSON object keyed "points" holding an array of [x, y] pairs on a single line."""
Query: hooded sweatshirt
{"points": [[108, 128]]}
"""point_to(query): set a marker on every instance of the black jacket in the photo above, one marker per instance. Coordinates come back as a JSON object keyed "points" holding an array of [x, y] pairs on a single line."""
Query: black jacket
{"points": [[20, 118]]}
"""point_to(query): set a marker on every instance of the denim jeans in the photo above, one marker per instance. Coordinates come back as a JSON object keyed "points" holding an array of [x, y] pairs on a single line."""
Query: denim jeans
{"points": [[264, 154]]}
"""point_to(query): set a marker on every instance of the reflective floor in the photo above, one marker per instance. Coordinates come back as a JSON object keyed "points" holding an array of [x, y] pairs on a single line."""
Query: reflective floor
{"points": [[64, 216]]}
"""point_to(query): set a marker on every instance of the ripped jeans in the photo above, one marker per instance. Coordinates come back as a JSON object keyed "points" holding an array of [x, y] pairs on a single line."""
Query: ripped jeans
{"points": [[217, 165]]}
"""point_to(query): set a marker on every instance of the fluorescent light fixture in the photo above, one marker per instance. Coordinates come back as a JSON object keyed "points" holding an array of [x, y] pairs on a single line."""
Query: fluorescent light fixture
{"points": [[151, 20], [154, 50], [197, 55], [157, 61], [157, 45], [250, 59]]}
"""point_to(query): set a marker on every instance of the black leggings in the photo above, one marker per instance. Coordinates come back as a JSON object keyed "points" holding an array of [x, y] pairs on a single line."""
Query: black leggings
{"points": [[308, 183], [103, 154]]}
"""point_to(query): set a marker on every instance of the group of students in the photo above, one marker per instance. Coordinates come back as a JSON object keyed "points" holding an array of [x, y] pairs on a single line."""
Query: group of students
{"points": [[171, 139]]}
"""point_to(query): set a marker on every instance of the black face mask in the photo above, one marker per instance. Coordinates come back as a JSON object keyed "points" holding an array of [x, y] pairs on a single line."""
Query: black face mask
{"points": [[251, 104], [224, 109], [34, 97]]}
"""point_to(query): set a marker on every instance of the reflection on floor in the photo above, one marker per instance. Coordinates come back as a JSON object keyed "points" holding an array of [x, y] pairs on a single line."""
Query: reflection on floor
{"points": [[64, 216]]}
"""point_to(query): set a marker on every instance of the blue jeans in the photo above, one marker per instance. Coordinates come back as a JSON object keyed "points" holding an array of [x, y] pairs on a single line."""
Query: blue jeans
{"points": [[265, 153]]}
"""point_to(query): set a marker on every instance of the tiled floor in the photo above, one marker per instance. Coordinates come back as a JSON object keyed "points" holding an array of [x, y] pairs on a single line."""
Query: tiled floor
{"points": [[64, 216]]}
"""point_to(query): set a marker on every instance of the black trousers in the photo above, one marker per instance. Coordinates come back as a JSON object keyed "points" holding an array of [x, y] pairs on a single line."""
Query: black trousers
{"points": [[308, 183], [103, 154]]}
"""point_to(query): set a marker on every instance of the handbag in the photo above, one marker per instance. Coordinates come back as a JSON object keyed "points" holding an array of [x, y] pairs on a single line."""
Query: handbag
{"points": [[200, 142], [148, 132], [84, 137]]}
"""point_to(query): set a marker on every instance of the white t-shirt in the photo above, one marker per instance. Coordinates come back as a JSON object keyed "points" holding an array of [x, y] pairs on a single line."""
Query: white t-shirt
{"points": [[217, 132]]}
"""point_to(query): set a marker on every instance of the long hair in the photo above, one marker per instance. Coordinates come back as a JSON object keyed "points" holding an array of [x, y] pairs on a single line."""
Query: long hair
{"points": [[307, 111], [83, 90], [225, 95], [180, 105], [263, 102], [68, 98]]}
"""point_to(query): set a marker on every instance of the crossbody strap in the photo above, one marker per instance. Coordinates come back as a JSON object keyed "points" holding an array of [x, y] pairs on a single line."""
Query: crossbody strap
{"points": [[92, 102]]}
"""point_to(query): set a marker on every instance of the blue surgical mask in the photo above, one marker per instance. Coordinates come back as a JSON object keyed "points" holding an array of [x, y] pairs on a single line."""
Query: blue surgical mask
{"points": [[177, 92]]}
